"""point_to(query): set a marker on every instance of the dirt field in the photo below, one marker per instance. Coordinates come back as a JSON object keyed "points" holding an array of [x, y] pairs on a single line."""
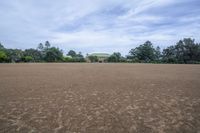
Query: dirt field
{"points": [[102, 98]]}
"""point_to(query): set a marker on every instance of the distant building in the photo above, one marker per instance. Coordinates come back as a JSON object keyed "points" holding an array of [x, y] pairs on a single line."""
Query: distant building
{"points": [[68, 56], [98, 57]]}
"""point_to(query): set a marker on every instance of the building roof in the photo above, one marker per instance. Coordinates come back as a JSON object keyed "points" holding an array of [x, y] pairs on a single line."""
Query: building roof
{"points": [[68, 56], [100, 54]]}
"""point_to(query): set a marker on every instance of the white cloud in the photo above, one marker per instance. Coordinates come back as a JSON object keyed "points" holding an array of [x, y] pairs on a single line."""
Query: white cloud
{"points": [[100, 25]]}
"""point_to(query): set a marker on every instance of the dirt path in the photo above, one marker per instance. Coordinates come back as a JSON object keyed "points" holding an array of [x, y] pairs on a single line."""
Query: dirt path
{"points": [[102, 98]]}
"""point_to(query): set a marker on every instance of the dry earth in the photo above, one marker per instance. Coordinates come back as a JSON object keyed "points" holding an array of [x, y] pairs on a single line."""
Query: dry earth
{"points": [[99, 98]]}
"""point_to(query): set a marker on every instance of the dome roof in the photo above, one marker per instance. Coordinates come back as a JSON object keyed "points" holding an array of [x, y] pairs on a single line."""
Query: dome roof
{"points": [[100, 54]]}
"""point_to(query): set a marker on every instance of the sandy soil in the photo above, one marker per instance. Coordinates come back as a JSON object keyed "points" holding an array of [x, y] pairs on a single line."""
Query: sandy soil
{"points": [[99, 98]]}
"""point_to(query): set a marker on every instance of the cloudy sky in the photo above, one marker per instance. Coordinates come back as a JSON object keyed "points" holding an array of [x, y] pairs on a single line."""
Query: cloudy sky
{"points": [[97, 25]]}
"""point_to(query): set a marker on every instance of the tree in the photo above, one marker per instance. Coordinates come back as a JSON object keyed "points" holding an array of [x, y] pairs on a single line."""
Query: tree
{"points": [[53, 55], [169, 55], [1, 46], [3, 57], [93, 58], [179, 52], [79, 55], [27, 59], [71, 53], [67, 59], [47, 45], [40, 47], [78, 58], [115, 57], [14, 55], [158, 54], [35, 54], [118, 56], [185, 51], [144, 53], [190, 50]]}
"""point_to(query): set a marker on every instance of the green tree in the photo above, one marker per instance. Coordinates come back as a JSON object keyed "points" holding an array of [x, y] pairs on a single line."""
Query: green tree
{"points": [[185, 51], [53, 55], [144, 53], [78, 58], [40, 47], [1, 47], [67, 59], [115, 57], [71, 53], [47, 45], [14, 55], [93, 58], [158, 54], [80, 55], [169, 55], [27, 59], [3, 57], [190, 50], [35, 54]]}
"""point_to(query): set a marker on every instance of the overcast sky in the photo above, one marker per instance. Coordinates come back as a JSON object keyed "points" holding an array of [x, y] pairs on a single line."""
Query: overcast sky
{"points": [[97, 25]]}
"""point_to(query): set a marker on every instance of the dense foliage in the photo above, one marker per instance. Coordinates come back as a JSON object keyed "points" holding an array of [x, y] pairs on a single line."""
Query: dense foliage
{"points": [[185, 51], [43, 53], [75, 57], [116, 57], [93, 58], [144, 53]]}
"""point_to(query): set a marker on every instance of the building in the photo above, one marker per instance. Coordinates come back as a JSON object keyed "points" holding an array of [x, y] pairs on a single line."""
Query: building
{"points": [[97, 57]]}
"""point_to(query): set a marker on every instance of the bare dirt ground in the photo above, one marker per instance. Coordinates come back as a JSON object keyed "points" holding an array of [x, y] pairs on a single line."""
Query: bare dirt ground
{"points": [[99, 98]]}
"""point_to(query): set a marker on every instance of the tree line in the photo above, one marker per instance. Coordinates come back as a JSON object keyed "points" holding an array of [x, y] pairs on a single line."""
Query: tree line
{"points": [[185, 51], [43, 53]]}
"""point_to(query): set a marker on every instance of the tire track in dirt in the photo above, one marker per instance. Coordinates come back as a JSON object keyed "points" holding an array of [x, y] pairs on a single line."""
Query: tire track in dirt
{"points": [[95, 98]]}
